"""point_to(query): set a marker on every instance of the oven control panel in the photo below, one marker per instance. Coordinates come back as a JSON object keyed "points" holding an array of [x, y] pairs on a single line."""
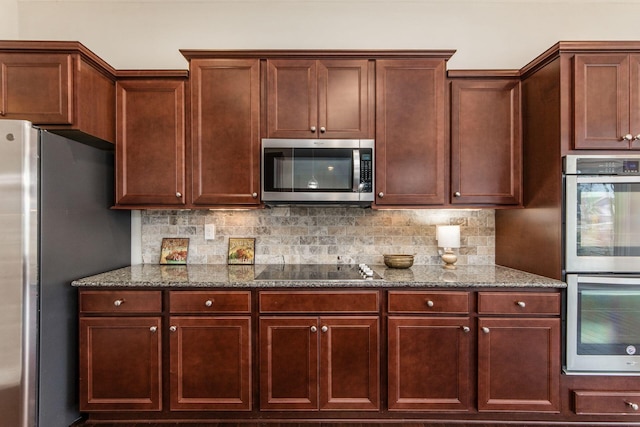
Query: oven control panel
{"points": [[602, 165]]}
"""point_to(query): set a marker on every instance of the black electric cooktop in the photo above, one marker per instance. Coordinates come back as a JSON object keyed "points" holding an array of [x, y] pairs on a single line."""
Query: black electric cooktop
{"points": [[323, 272]]}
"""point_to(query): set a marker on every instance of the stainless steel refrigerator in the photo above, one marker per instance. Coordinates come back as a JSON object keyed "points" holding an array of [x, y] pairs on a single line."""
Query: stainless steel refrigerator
{"points": [[56, 225]]}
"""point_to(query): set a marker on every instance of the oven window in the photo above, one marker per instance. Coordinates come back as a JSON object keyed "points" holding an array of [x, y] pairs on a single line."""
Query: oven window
{"points": [[608, 319], [608, 222], [308, 169]]}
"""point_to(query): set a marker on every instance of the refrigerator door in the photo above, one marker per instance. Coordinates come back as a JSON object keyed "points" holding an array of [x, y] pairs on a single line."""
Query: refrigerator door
{"points": [[18, 273]]}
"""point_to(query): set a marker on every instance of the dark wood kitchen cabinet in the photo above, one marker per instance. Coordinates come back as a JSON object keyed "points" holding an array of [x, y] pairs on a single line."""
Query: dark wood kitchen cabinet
{"points": [[607, 101], [210, 350], [486, 139], [519, 351], [328, 98], [429, 351], [224, 157], [321, 362], [60, 86], [150, 140], [120, 351], [410, 132]]}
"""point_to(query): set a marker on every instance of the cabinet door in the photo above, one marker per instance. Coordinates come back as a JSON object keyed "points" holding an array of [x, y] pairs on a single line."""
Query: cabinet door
{"points": [[210, 359], [120, 363], [225, 152], [349, 363], [601, 90], [410, 132], [292, 98], [288, 363], [36, 87], [150, 143], [345, 97], [429, 363], [519, 364], [486, 142]]}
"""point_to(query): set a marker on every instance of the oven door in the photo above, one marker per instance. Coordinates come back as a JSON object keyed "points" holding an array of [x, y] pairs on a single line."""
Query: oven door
{"points": [[603, 314], [602, 224]]}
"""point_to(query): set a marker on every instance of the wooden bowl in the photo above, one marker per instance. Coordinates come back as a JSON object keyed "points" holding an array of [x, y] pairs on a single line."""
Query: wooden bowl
{"points": [[398, 261]]}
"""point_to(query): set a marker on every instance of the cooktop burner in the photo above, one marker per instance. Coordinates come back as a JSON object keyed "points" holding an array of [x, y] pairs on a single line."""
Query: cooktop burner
{"points": [[326, 272]]}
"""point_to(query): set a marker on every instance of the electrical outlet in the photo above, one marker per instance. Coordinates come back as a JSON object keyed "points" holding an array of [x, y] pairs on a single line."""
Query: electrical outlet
{"points": [[209, 232]]}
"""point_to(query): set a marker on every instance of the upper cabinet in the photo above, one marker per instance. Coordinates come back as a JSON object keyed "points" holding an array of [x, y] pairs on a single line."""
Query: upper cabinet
{"points": [[411, 151], [607, 101], [150, 143], [486, 139], [328, 98], [225, 132], [60, 86]]}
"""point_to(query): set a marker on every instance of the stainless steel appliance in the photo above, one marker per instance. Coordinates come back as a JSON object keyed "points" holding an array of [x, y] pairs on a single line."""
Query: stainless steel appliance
{"points": [[56, 226], [602, 263], [318, 171]]}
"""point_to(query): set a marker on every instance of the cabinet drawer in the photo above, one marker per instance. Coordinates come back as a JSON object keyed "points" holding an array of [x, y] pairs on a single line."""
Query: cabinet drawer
{"points": [[428, 302], [606, 402], [209, 302], [120, 301], [518, 303], [319, 302]]}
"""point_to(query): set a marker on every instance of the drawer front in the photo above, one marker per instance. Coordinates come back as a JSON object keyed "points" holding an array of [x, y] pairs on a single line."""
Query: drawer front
{"points": [[428, 302], [319, 302], [518, 303], [120, 301], [210, 302], [589, 402]]}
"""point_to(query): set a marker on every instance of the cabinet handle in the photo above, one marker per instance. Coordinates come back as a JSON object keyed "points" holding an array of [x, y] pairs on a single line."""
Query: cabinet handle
{"points": [[208, 303], [521, 304], [323, 129], [466, 329], [430, 303], [178, 194], [254, 195], [324, 328], [381, 194], [485, 330], [314, 329], [457, 194], [173, 328], [632, 405], [627, 137], [313, 129], [637, 137], [153, 329], [118, 302], [2, 113]]}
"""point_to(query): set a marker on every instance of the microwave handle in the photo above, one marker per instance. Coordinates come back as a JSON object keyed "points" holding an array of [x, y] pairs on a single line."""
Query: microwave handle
{"points": [[356, 171]]}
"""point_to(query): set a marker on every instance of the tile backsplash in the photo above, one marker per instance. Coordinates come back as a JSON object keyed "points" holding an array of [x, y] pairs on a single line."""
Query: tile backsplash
{"points": [[315, 235]]}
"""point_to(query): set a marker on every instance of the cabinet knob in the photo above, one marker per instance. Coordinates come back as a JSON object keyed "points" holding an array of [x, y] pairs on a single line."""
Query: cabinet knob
{"points": [[2, 113], [457, 194], [314, 329], [325, 328], [254, 195], [153, 329], [323, 129], [313, 129], [173, 328], [637, 137], [632, 405], [521, 304], [627, 137], [118, 302], [381, 194], [466, 329], [430, 303], [485, 330], [178, 194], [208, 303]]}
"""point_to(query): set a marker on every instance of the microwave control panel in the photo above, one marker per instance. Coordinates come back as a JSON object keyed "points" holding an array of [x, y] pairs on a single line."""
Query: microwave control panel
{"points": [[366, 170], [602, 165]]}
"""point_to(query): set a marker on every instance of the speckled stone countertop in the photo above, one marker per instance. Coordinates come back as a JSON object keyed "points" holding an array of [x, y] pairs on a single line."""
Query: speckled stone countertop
{"points": [[242, 276]]}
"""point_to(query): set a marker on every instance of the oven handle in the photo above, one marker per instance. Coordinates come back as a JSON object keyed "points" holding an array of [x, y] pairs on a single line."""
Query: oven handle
{"points": [[609, 280], [609, 179]]}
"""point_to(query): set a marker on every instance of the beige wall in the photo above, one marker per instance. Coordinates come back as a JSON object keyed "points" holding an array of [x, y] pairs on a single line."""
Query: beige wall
{"points": [[486, 33]]}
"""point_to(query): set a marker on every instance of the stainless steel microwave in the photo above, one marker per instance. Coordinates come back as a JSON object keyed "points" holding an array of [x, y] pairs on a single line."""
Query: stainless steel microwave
{"points": [[318, 171]]}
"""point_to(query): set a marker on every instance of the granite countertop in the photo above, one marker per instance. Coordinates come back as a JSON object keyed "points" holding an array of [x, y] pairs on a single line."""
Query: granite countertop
{"points": [[242, 276]]}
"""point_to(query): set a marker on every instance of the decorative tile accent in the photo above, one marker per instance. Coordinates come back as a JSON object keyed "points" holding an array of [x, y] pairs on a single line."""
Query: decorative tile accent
{"points": [[306, 235]]}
